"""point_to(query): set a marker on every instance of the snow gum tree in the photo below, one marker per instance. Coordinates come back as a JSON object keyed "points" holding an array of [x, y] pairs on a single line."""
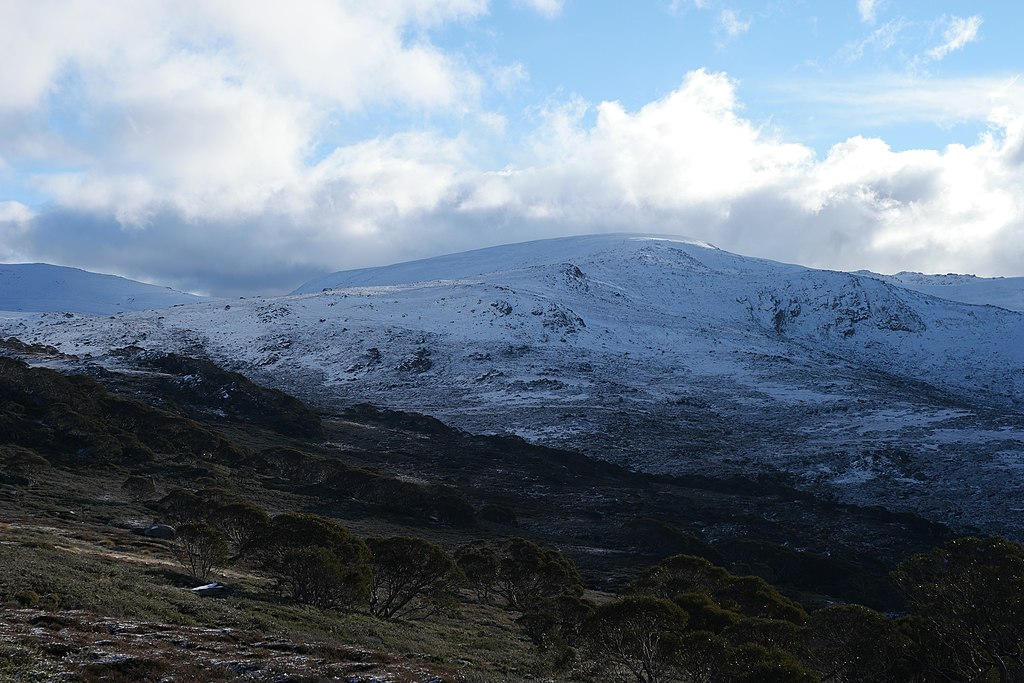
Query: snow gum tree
{"points": [[200, 549], [412, 578], [969, 596]]}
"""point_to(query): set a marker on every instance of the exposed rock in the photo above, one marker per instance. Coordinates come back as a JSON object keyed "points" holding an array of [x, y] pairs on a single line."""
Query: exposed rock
{"points": [[159, 531]]}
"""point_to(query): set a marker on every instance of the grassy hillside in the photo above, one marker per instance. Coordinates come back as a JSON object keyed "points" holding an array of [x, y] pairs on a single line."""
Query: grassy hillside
{"points": [[90, 456]]}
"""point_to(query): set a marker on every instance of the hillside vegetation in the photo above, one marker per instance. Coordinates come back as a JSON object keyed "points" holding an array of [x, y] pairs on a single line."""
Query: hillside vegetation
{"points": [[375, 545]]}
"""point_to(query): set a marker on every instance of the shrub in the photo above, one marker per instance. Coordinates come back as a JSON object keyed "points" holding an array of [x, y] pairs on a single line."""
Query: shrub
{"points": [[317, 560], [480, 563], [412, 578], [180, 506], [23, 460], [639, 636], [528, 573], [317, 576], [242, 523], [201, 549], [138, 486], [969, 594]]}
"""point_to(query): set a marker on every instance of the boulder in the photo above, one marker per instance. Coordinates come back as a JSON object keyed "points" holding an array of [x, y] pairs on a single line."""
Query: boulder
{"points": [[212, 590], [159, 531]]}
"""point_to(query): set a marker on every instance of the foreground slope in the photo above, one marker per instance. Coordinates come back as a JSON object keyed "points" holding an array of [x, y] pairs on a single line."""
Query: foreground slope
{"points": [[662, 354], [40, 287]]}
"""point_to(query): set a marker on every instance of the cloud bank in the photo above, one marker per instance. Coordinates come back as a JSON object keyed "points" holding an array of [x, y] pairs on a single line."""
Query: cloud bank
{"points": [[215, 159]]}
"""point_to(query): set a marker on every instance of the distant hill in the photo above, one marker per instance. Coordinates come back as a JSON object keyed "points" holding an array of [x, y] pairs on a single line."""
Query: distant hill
{"points": [[1005, 292], [44, 288]]}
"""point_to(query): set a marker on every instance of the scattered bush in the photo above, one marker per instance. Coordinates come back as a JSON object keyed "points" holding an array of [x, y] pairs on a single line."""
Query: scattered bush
{"points": [[242, 523], [528, 573], [412, 578], [640, 637], [181, 506], [479, 562], [138, 486], [201, 549], [318, 561]]}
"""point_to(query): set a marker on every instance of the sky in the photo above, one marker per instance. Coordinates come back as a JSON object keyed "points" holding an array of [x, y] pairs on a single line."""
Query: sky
{"points": [[238, 147]]}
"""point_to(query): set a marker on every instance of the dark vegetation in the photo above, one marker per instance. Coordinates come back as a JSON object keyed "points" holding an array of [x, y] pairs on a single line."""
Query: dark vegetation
{"points": [[482, 558]]}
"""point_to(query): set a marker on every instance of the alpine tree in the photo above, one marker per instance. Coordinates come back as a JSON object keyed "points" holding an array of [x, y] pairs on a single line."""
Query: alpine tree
{"points": [[852, 643], [316, 576], [317, 560], [636, 639], [479, 562], [200, 549], [681, 574], [242, 523], [412, 578], [969, 595], [181, 506], [528, 573]]}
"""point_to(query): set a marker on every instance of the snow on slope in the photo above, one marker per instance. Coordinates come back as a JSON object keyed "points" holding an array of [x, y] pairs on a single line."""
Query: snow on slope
{"points": [[1005, 292], [40, 287], [479, 262], [663, 354]]}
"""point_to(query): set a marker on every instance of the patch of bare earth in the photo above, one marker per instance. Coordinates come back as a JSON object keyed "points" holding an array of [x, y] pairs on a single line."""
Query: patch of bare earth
{"points": [[78, 646]]}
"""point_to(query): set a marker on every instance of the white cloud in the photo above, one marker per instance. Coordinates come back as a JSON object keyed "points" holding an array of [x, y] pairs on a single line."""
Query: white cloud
{"points": [[15, 226], [732, 23], [350, 53], [868, 10], [548, 8], [688, 149], [676, 6], [882, 39], [507, 78], [958, 34], [687, 163], [882, 101], [208, 106], [15, 212]]}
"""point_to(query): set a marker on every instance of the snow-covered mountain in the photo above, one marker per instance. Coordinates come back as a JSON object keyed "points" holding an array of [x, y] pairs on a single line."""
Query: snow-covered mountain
{"points": [[1006, 292], [40, 287], [662, 353]]}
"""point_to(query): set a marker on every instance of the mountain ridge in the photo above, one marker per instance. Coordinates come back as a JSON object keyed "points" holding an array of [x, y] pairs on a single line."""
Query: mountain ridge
{"points": [[462, 265], [661, 355], [47, 288], [1005, 292]]}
